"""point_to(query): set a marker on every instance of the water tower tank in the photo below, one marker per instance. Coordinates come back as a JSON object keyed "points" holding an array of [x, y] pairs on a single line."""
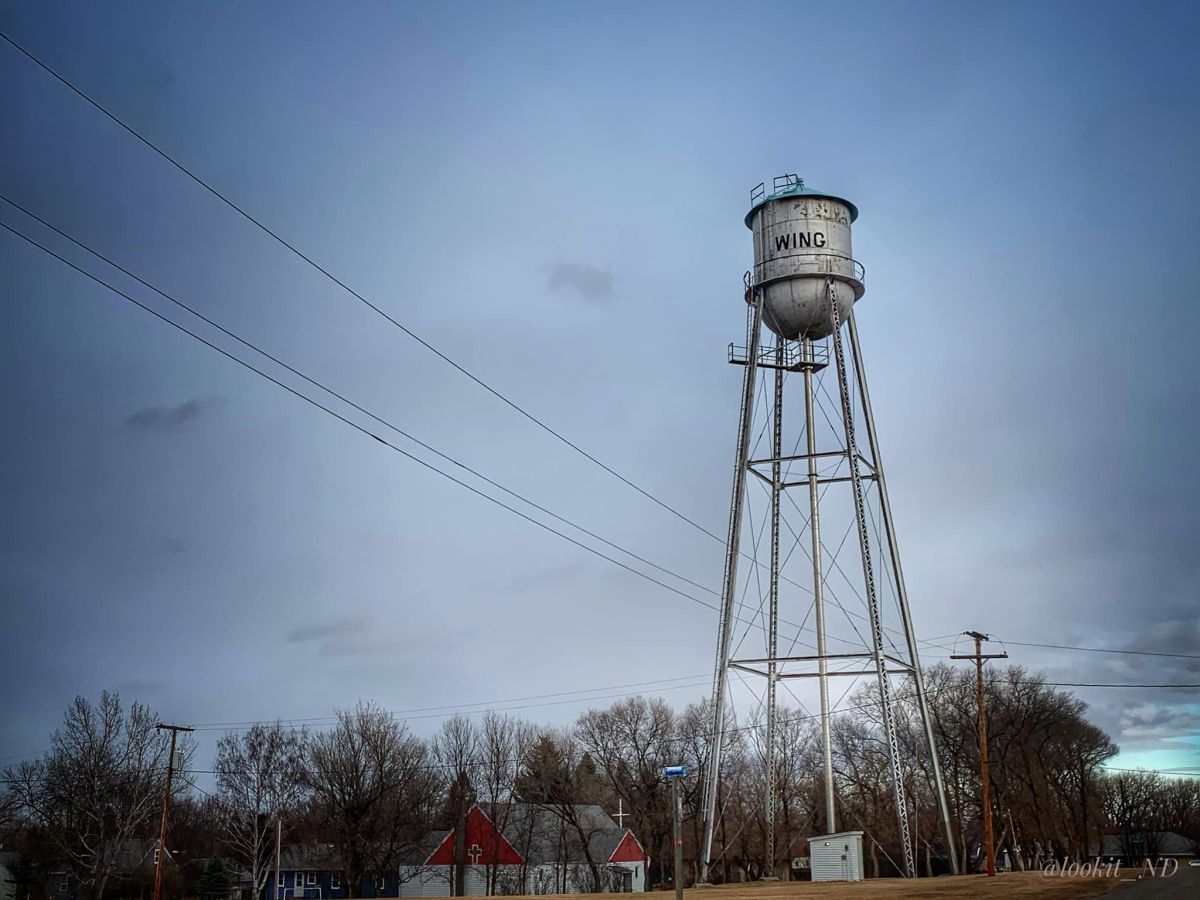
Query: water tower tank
{"points": [[802, 243]]}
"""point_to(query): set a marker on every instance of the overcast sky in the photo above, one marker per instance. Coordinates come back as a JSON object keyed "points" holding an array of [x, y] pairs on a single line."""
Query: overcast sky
{"points": [[553, 195]]}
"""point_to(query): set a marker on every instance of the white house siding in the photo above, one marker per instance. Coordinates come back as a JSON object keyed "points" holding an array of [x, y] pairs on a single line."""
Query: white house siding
{"points": [[434, 881], [637, 875]]}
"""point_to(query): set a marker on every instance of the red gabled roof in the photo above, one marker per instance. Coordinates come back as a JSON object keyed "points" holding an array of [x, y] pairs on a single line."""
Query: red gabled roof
{"points": [[480, 832], [629, 850]]}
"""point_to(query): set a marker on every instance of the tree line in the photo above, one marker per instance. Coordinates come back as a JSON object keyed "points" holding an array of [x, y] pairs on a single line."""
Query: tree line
{"points": [[371, 787]]}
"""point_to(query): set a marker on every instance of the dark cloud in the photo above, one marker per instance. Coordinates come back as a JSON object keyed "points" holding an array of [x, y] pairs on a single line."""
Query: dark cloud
{"points": [[354, 635], [1143, 720], [1180, 636], [591, 283], [170, 418], [1152, 726], [331, 630]]}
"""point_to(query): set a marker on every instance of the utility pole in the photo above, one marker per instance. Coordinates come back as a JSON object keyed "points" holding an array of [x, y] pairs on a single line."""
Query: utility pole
{"points": [[979, 656], [676, 774], [278, 853], [162, 830]]}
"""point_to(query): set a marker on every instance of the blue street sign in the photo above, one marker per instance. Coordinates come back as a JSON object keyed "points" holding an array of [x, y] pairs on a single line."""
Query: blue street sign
{"points": [[675, 772]]}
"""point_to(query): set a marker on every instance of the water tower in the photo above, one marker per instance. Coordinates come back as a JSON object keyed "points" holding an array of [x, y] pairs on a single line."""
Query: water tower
{"points": [[803, 288]]}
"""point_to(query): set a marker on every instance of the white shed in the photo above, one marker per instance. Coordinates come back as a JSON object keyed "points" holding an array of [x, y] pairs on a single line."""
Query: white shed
{"points": [[837, 857]]}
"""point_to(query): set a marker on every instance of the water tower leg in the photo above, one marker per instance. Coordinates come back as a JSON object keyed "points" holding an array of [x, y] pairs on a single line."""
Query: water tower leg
{"points": [[864, 544], [729, 587], [902, 597], [814, 523], [771, 785]]}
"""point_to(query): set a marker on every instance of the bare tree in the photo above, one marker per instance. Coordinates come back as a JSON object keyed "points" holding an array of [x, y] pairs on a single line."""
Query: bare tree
{"points": [[10, 808], [375, 789], [1182, 807], [631, 742], [1135, 803], [504, 743], [100, 784], [260, 780], [455, 747], [563, 779], [860, 763]]}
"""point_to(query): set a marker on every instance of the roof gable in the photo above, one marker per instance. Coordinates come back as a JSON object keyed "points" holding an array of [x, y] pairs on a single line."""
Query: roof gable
{"points": [[490, 846], [629, 850]]}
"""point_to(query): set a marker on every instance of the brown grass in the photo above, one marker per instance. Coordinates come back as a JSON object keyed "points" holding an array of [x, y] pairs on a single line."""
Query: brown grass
{"points": [[1031, 885]]}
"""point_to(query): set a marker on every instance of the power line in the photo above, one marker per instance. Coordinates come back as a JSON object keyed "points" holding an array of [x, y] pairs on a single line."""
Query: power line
{"points": [[329, 275], [1106, 650], [21, 755], [409, 332], [670, 740], [390, 425], [1087, 684], [353, 424], [426, 712], [387, 424], [367, 412], [417, 713], [431, 348], [399, 717], [836, 710], [1186, 771], [376, 437], [451, 708]]}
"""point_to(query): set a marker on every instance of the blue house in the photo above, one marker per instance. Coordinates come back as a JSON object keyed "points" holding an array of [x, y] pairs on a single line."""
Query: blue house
{"points": [[316, 872]]}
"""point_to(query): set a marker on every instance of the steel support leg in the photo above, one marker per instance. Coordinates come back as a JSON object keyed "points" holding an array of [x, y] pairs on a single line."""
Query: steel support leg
{"points": [[864, 543], [814, 523], [902, 597], [773, 617], [729, 586]]}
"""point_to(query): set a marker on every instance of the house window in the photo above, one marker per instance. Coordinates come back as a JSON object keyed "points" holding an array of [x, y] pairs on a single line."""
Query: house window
{"points": [[380, 885], [64, 883], [312, 877], [156, 856], [299, 879], [335, 881], [279, 879]]}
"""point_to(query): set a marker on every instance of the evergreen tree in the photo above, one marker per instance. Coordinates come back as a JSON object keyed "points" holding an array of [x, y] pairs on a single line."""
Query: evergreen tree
{"points": [[214, 882]]}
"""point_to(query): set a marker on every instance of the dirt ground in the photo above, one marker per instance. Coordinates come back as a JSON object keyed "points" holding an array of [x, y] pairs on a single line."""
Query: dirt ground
{"points": [[1031, 885]]}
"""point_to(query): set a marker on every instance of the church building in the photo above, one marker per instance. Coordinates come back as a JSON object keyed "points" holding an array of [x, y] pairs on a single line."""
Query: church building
{"points": [[527, 848]]}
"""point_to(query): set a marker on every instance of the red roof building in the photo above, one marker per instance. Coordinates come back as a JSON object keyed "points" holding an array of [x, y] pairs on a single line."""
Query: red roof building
{"points": [[529, 849]]}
